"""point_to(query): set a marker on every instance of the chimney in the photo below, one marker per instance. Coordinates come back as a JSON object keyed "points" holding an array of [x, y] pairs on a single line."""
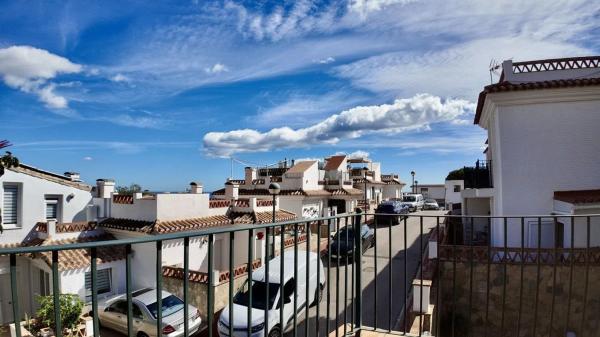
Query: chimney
{"points": [[196, 188], [74, 176], [231, 191], [507, 70], [250, 175], [105, 188]]}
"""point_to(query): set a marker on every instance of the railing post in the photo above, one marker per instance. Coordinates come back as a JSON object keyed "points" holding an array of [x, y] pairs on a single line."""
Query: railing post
{"points": [[358, 275], [14, 294]]}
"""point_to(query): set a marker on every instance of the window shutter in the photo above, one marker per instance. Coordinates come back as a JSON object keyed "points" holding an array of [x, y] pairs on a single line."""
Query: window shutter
{"points": [[9, 207], [104, 282], [51, 208]]}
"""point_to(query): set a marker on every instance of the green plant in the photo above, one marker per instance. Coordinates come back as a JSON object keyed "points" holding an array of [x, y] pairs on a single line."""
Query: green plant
{"points": [[129, 190], [456, 174], [70, 310]]}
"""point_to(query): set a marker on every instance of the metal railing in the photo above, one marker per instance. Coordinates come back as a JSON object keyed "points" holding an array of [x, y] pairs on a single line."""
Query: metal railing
{"points": [[480, 175], [474, 290]]}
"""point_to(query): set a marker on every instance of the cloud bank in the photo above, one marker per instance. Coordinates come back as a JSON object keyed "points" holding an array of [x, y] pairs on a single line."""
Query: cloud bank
{"points": [[404, 114], [29, 69]]}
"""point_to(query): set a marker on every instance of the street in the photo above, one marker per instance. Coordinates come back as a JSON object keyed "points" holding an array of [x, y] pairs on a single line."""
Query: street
{"points": [[385, 299]]}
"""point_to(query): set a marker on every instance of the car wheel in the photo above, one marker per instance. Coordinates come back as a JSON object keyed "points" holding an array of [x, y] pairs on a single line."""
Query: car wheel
{"points": [[318, 297], [275, 332], [142, 334]]}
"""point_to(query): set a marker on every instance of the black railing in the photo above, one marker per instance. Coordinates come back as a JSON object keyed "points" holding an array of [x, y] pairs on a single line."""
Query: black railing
{"points": [[531, 277], [480, 175]]}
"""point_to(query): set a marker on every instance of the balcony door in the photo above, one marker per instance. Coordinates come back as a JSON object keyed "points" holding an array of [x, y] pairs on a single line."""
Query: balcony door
{"points": [[551, 235]]}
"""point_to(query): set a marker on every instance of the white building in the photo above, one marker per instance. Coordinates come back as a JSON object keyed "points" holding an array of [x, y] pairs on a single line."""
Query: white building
{"points": [[453, 198], [543, 122], [45, 208], [433, 191], [376, 187], [138, 215]]}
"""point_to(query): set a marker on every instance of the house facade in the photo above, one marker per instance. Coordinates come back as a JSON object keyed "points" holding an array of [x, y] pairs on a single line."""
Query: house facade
{"points": [[453, 198], [546, 104], [433, 191], [45, 208]]}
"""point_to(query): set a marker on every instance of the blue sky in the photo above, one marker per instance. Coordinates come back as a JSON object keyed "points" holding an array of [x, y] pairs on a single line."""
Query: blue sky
{"points": [[162, 94]]}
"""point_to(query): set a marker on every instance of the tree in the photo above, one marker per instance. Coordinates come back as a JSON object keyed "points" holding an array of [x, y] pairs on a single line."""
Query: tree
{"points": [[70, 310], [456, 174], [128, 190], [6, 161]]}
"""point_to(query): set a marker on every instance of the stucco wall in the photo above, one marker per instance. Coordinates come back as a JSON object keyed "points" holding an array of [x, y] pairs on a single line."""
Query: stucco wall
{"points": [[31, 205], [451, 196]]}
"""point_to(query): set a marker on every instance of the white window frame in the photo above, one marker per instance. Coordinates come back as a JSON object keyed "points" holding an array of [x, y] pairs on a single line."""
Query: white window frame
{"points": [[52, 200], [16, 224]]}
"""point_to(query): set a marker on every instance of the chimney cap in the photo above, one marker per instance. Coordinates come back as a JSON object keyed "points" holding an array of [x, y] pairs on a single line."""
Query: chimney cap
{"points": [[195, 183], [108, 180]]}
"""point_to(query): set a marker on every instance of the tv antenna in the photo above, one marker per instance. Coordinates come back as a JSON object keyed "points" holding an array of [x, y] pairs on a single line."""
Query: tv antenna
{"points": [[494, 69]]}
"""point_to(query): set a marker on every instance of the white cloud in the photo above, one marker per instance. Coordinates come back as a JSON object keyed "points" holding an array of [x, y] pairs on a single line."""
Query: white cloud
{"points": [[29, 69], [216, 69], [355, 154], [120, 78], [364, 7], [326, 60], [460, 71], [88, 158], [400, 116]]}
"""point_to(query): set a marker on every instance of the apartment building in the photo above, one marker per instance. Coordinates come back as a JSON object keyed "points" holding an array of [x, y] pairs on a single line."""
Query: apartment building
{"points": [[45, 208], [366, 176], [544, 104]]}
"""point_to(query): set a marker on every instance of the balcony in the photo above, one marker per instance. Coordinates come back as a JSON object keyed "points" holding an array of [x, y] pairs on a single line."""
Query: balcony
{"points": [[534, 276], [479, 176]]}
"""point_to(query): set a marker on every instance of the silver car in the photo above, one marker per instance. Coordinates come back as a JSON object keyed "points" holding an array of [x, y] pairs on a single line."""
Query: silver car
{"points": [[113, 314]]}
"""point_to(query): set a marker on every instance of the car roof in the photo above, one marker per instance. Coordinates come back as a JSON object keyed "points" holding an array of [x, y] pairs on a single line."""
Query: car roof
{"points": [[145, 296], [275, 266]]}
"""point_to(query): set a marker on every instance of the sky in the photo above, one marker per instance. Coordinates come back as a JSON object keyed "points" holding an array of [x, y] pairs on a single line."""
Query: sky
{"points": [[162, 94]]}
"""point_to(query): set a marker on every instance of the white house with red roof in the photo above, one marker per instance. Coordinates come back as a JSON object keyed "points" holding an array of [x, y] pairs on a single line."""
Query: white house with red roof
{"points": [[543, 125]]}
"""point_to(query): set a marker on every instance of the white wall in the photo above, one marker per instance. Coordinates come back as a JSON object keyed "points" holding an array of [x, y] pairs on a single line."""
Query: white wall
{"points": [[73, 281], [31, 203], [392, 191], [437, 192], [451, 196]]}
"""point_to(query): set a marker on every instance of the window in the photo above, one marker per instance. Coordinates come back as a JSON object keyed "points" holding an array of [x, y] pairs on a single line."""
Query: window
{"points": [[10, 205], [51, 208], [44, 283], [104, 282], [424, 189], [456, 188]]}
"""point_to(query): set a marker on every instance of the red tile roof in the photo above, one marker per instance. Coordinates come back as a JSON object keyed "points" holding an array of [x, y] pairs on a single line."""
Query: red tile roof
{"points": [[334, 162], [160, 227], [301, 167], [202, 277], [264, 191], [508, 86], [578, 197], [50, 176]]}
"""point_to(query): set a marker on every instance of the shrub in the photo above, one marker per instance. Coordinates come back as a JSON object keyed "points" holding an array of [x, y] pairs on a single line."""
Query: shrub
{"points": [[70, 310]]}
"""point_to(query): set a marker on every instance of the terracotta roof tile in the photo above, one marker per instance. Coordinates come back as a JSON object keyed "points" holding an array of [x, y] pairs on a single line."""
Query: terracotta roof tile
{"points": [[508, 86], [334, 162], [50, 176], [73, 227], [122, 199], [301, 167], [578, 197]]}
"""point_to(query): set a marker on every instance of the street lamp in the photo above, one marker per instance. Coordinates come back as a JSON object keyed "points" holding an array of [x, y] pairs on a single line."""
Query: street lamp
{"points": [[274, 190], [416, 185], [412, 173]]}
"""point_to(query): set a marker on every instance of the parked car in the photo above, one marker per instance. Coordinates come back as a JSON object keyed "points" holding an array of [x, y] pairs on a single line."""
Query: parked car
{"points": [[259, 284], [431, 204], [413, 201], [343, 241], [396, 210], [113, 314]]}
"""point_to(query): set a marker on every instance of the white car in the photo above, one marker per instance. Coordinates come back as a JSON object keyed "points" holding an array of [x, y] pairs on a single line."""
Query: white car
{"points": [[113, 314], [259, 286], [413, 201], [431, 204]]}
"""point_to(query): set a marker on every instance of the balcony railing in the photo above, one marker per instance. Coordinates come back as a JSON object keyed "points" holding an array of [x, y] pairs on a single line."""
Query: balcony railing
{"points": [[419, 275], [480, 175]]}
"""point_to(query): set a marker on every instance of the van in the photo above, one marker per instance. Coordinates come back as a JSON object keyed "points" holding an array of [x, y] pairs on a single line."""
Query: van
{"points": [[290, 287], [414, 202]]}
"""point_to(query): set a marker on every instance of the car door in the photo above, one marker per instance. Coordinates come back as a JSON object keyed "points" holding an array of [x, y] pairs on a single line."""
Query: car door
{"points": [[115, 316], [288, 299], [140, 323]]}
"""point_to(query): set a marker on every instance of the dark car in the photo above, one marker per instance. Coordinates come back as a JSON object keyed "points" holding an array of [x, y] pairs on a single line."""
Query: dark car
{"points": [[343, 241], [391, 212]]}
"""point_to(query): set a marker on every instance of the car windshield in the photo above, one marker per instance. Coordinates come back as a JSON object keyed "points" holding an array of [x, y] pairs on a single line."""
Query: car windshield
{"points": [[259, 290], [431, 201], [170, 305], [409, 198]]}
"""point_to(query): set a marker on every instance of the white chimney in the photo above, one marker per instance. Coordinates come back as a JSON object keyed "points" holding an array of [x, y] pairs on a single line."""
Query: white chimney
{"points": [[105, 188], [231, 191], [196, 188], [250, 175], [507, 70], [74, 176]]}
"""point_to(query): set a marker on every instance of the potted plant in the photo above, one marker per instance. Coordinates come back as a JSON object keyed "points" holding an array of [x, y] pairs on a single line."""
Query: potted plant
{"points": [[70, 311]]}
